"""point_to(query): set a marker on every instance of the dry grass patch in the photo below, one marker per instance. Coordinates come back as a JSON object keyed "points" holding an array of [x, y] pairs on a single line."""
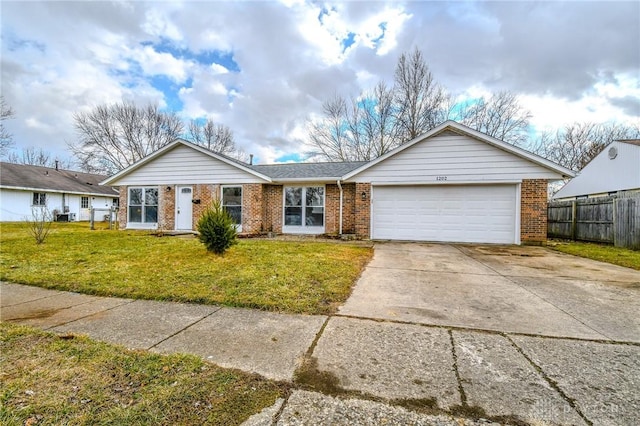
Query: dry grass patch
{"points": [[50, 380], [604, 253], [292, 276]]}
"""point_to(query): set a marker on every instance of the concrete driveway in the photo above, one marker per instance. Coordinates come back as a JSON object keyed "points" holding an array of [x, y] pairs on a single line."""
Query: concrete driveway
{"points": [[519, 334], [529, 290]]}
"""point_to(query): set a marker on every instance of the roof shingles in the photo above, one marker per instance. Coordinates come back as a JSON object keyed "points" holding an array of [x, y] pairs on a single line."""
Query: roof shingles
{"points": [[50, 179]]}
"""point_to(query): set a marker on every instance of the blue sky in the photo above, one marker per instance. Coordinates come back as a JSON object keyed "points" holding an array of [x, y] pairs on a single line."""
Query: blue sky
{"points": [[264, 68]]}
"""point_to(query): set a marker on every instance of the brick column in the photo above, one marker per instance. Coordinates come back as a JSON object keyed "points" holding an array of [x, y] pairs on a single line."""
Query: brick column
{"points": [[363, 210], [252, 195], [332, 209], [533, 211], [122, 211], [272, 208], [166, 207]]}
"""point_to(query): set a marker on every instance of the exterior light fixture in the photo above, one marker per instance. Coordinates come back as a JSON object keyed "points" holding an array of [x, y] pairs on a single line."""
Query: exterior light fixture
{"points": [[168, 188], [363, 195]]}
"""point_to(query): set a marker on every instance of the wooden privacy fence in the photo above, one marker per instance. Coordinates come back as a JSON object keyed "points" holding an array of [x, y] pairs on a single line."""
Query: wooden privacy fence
{"points": [[614, 219]]}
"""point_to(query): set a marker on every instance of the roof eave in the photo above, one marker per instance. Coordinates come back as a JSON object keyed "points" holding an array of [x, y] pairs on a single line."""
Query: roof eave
{"points": [[57, 191], [307, 179]]}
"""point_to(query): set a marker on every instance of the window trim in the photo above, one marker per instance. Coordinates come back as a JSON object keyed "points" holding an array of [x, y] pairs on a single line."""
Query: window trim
{"points": [[82, 198], [142, 224], [304, 229], [222, 188]]}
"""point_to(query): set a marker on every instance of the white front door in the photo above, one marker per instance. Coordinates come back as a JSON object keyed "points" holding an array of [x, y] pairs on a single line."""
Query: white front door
{"points": [[184, 208]]}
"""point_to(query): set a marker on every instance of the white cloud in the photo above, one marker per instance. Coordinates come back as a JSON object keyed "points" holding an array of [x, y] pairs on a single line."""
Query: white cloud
{"points": [[59, 58], [161, 63]]}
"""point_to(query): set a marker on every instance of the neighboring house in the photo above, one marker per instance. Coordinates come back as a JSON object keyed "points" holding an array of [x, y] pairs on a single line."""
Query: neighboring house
{"points": [[615, 169], [451, 184], [24, 188]]}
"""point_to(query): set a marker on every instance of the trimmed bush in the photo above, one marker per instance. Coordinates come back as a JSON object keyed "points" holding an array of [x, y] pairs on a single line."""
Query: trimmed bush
{"points": [[217, 229]]}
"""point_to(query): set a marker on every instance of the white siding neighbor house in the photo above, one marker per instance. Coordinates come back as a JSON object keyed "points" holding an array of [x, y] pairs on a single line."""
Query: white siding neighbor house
{"points": [[67, 194], [615, 169]]}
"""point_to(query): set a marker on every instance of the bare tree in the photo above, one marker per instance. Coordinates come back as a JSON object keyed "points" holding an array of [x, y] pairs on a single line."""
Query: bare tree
{"points": [[112, 137], [329, 136], [215, 137], [373, 126], [383, 118], [500, 116], [421, 103], [578, 143], [6, 138], [38, 157]]}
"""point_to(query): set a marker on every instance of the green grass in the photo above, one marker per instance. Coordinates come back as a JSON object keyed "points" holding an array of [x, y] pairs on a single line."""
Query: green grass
{"points": [[292, 276], [48, 379], [604, 253]]}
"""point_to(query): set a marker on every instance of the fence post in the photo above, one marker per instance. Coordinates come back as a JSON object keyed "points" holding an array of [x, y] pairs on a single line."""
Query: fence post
{"points": [[615, 221], [574, 220], [92, 211]]}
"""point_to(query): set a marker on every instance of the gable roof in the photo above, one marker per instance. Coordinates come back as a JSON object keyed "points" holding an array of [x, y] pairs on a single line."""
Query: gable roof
{"points": [[228, 160], [27, 177], [607, 173], [464, 130], [307, 171]]}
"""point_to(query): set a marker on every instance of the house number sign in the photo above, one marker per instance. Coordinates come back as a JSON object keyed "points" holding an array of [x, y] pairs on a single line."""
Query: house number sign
{"points": [[441, 178]]}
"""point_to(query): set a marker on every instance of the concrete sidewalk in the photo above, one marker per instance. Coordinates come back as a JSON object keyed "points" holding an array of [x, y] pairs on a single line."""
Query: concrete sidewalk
{"points": [[377, 366]]}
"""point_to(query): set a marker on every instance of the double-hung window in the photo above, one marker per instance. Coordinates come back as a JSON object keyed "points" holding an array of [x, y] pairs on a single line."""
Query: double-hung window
{"points": [[304, 209], [39, 199], [143, 206], [232, 203]]}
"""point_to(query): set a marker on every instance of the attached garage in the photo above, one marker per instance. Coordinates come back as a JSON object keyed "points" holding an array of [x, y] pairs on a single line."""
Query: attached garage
{"points": [[449, 213]]}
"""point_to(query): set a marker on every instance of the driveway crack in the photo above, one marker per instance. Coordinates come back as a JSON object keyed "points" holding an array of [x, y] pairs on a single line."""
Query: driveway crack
{"points": [[554, 385]]}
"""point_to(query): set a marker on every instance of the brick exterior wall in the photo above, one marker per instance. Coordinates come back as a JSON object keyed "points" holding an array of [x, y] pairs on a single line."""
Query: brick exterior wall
{"points": [[348, 208], [252, 208], [332, 209], [272, 208], [362, 210], [206, 193], [166, 207], [533, 211], [122, 211]]}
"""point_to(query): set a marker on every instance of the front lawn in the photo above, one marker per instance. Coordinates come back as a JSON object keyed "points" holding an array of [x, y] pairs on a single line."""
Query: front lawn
{"points": [[48, 379], [604, 253], [292, 276]]}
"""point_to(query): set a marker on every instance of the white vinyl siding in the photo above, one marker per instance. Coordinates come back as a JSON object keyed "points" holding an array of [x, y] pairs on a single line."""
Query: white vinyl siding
{"points": [[452, 158], [447, 213], [184, 165], [603, 175], [16, 205]]}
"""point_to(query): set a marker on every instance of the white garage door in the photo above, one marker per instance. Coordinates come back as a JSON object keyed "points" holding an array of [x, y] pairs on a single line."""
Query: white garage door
{"points": [[473, 213]]}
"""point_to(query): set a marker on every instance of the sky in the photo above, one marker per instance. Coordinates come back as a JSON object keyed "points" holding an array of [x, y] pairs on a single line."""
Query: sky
{"points": [[264, 68]]}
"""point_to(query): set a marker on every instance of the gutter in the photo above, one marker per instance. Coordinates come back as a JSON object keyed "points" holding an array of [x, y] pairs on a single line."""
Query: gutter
{"points": [[340, 208]]}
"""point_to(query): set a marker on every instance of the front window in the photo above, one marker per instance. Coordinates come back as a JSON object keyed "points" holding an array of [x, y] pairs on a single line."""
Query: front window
{"points": [[39, 199], [143, 205], [84, 202], [304, 209], [232, 202]]}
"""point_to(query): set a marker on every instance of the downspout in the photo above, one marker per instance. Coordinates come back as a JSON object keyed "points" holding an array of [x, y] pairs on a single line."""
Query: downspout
{"points": [[340, 208]]}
